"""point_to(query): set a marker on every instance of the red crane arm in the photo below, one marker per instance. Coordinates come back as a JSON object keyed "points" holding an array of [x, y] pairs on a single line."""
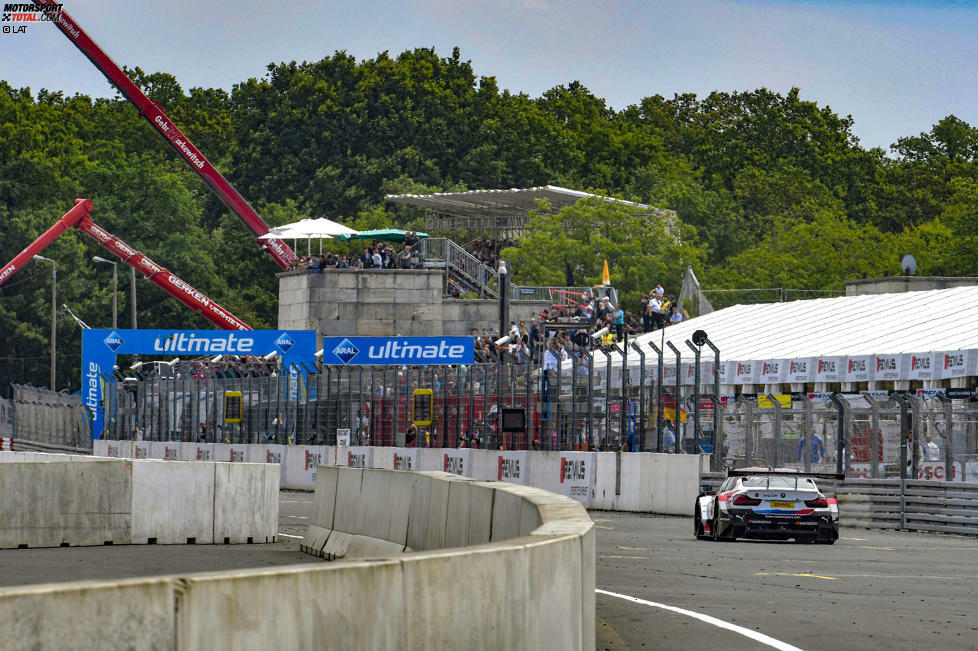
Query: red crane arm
{"points": [[160, 276], [181, 144]]}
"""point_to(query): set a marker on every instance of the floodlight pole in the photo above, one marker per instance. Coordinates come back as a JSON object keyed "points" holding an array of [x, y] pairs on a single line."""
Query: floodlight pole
{"points": [[696, 392], [716, 403]]}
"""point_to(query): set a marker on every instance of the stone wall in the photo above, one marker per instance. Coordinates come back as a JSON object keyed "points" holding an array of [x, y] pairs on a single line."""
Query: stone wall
{"points": [[384, 303], [896, 284]]}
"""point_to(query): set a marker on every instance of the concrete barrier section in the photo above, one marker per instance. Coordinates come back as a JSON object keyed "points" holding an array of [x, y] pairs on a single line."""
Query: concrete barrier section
{"points": [[126, 614], [298, 607], [197, 452], [301, 465], [172, 502], [407, 459], [232, 452], [383, 457], [269, 453], [140, 450], [512, 467], [245, 502], [166, 450], [50, 503]]}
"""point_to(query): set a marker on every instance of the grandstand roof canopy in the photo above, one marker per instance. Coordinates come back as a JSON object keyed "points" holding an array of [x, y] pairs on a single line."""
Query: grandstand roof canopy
{"points": [[902, 328], [498, 203]]}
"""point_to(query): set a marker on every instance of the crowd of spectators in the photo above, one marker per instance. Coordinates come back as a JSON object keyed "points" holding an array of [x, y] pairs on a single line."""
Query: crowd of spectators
{"points": [[487, 251], [380, 255]]}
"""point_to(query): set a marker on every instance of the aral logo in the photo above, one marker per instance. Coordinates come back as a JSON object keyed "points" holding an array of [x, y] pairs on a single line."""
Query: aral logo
{"points": [[346, 351], [285, 342], [113, 341]]}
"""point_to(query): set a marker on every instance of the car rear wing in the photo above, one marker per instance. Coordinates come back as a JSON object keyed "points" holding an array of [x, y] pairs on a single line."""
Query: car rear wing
{"points": [[785, 472]]}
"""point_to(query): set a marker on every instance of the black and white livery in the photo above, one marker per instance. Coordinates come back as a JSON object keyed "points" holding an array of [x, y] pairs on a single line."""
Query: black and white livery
{"points": [[767, 503]]}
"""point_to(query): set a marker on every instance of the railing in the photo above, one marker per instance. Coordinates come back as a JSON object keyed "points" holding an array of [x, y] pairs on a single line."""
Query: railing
{"points": [[459, 261], [949, 507], [550, 293], [44, 420]]}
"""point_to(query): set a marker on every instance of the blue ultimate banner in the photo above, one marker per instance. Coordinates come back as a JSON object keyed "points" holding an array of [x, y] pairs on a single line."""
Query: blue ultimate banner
{"points": [[100, 347], [358, 351]]}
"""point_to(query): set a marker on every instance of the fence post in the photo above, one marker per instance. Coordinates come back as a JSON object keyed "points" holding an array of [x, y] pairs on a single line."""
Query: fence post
{"points": [[904, 430], [658, 398], [777, 429], [841, 447], [679, 364], [590, 399], [696, 395], [949, 437], [641, 397]]}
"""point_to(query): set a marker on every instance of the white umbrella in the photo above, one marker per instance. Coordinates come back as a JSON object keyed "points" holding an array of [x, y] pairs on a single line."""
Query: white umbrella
{"points": [[309, 228]]}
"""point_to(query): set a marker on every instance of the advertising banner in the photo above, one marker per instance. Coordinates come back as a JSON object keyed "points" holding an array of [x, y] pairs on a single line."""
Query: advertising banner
{"points": [[359, 351], [458, 462], [407, 459], [955, 363], [360, 456], [829, 369], [100, 347], [578, 475], [799, 370], [512, 467], [858, 368], [747, 372], [888, 367], [921, 366], [772, 371]]}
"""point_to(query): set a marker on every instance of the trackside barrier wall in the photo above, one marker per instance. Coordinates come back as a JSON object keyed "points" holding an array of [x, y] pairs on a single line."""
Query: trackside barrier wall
{"points": [[950, 507], [51, 500], [494, 565], [633, 481]]}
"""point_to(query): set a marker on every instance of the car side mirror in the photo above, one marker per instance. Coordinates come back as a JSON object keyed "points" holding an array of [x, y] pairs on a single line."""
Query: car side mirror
{"points": [[709, 490]]}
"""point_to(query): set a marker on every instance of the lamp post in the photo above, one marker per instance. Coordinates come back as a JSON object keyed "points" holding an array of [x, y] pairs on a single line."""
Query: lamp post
{"points": [[115, 289], [503, 330], [54, 315]]}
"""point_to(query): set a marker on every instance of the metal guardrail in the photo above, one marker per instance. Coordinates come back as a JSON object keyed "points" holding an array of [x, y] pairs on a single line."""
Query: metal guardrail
{"points": [[948, 507], [459, 261]]}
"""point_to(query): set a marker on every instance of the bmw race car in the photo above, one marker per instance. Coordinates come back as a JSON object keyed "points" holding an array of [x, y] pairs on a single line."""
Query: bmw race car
{"points": [[768, 504]]}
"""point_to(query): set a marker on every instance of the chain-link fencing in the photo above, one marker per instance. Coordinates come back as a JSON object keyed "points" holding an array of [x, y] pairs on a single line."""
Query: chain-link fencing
{"points": [[45, 420]]}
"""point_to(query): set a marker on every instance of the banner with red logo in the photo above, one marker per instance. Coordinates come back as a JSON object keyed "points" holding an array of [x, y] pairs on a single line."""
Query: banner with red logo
{"points": [[859, 368], [888, 367], [922, 366], [955, 363], [772, 371], [800, 369], [829, 369]]}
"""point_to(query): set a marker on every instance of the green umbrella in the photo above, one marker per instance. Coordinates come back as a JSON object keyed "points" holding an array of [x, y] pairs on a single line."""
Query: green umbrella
{"points": [[386, 234]]}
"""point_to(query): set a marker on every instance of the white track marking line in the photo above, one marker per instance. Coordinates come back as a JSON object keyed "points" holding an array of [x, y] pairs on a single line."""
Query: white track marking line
{"points": [[285, 535], [746, 632]]}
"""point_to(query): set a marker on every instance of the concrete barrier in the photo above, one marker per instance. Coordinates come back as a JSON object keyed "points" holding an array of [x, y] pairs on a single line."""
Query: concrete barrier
{"points": [[527, 552], [52, 500]]}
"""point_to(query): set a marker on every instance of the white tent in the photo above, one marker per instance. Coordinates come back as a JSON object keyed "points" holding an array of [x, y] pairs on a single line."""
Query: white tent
{"points": [[927, 336]]}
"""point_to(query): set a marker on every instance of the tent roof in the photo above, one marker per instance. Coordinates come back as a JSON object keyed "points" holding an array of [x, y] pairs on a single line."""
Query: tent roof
{"points": [[849, 326], [515, 202]]}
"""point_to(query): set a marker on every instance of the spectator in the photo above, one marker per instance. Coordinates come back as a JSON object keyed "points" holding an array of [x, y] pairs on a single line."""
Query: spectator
{"points": [[404, 258], [668, 437], [618, 317], [675, 316], [659, 291], [378, 259]]}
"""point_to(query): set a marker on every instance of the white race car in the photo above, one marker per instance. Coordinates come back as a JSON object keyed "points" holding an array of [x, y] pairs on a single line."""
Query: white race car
{"points": [[769, 504]]}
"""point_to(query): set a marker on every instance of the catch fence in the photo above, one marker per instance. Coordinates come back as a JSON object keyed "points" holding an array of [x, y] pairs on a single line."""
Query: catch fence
{"points": [[43, 420]]}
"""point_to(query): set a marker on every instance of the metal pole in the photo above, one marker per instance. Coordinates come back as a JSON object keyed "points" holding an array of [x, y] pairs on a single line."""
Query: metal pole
{"points": [[54, 317], [132, 295], [679, 363], [641, 397], [904, 431], [575, 364], [607, 399], [658, 399], [777, 429], [590, 399], [840, 444], [716, 405], [623, 427], [948, 436], [696, 393]]}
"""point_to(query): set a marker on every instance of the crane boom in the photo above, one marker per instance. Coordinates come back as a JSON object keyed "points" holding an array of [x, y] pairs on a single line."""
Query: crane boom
{"points": [[162, 277], [154, 114]]}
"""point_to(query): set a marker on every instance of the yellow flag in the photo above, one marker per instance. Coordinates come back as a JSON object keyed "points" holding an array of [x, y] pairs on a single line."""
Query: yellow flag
{"points": [[605, 274]]}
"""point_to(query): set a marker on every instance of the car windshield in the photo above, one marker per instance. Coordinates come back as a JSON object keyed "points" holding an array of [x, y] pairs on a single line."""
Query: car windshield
{"points": [[781, 482]]}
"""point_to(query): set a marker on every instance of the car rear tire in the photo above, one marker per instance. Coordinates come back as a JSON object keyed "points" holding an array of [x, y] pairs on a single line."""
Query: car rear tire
{"points": [[698, 526]]}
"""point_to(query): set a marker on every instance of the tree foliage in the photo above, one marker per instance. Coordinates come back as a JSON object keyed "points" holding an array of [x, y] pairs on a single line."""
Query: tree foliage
{"points": [[769, 189]]}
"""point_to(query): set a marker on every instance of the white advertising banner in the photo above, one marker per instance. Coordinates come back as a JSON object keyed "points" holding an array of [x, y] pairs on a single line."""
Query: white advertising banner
{"points": [[512, 467], [799, 369], [407, 459], [772, 371], [706, 372], [458, 462], [747, 372], [829, 369], [955, 363], [888, 367], [858, 368], [577, 475], [921, 366], [358, 456], [140, 450], [728, 371], [197, 452], [937, 470]]}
